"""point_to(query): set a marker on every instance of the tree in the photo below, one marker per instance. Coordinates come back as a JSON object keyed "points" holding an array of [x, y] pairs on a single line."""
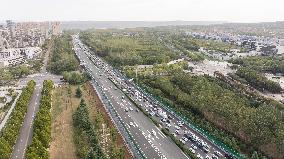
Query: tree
{"points": [[78, 92]]}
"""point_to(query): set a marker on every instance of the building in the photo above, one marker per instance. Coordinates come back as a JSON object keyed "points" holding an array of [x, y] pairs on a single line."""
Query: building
{"points": [[15, 56]]}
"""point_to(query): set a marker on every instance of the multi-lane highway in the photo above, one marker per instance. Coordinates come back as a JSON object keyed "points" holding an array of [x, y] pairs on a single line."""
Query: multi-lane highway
{"points": [[194, 140], [151, 141]]}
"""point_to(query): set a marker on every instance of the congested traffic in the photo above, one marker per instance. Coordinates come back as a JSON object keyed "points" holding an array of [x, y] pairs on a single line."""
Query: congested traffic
{"points": [[195, 141]]}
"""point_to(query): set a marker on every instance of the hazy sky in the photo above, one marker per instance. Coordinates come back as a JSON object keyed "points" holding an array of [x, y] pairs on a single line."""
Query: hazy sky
{"points": [[149, 10]]}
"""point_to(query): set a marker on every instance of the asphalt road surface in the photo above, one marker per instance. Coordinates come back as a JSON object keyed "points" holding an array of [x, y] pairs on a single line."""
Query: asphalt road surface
{"points": [[153, 146], [26, 131], [199, 144]]}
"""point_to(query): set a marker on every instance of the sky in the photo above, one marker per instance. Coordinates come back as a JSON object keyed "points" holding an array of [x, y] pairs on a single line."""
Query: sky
{"points": [[143, 10]]}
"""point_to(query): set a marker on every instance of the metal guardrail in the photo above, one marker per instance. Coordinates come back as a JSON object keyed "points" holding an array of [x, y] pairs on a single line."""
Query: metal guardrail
{"points": [[185, 120], [123, 129], [136, 152], [182, 118]]}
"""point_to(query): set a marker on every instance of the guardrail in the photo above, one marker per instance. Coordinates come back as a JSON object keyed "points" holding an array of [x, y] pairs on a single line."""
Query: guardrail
{"points": [[185, 120], [136, 152], [119, 123]]}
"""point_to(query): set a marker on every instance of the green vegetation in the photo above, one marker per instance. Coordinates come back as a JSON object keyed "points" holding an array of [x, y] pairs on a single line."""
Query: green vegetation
{"points": [[134, 48], [42, 125], [78, 92], [258, 81], [63, 57], [10, 132], [244, 123], [230, 117], [75, 78], [262, 64], [83, 125]]}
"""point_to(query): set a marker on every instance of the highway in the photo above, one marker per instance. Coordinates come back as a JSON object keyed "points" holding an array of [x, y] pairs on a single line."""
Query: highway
{"points": [[193, 139], [152, 143]]}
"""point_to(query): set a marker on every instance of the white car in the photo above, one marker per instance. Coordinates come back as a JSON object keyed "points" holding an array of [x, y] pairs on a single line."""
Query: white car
{"points": [[207, 157], [185, 139], [199, 156], [218, 153], [192, 150], [182, 141], [131, 124], [177, 127], [193, 146]]}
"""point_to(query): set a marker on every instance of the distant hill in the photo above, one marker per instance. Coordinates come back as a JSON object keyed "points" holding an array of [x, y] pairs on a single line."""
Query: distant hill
{"points": [[83, 25]]}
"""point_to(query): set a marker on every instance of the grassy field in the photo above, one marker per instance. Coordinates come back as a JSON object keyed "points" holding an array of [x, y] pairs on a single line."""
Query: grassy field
{"points": [[63, 105]]}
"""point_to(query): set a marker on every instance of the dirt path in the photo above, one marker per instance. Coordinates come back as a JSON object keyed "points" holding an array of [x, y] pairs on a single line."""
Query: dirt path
{"points": [[62, 144]]}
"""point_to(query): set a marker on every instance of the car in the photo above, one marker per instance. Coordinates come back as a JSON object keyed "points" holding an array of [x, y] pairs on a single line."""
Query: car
{"points": [[192, 150], [177, 132], [168, 125], [194, 147], [131, 124], [199, 156], [214, 156], [130, 109], [207, 157], [126, 109], [177, 127], [182, 141], [137, 110], [163, 120], [205, 149], [218, 153], [185, 139]]}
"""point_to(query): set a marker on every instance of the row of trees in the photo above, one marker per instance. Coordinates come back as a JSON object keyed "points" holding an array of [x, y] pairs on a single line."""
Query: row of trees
{"points": [[215, 108], [63, 57], [10, 132], [82, 124], [258, 81], [42, 125]]}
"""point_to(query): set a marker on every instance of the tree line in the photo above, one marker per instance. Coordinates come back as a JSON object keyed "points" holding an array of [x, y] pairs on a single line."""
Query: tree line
{"points": [[272, 64], [258, 81], [63, 57], [227, 115], [82, 123], [42, 125], [10, 132]]}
